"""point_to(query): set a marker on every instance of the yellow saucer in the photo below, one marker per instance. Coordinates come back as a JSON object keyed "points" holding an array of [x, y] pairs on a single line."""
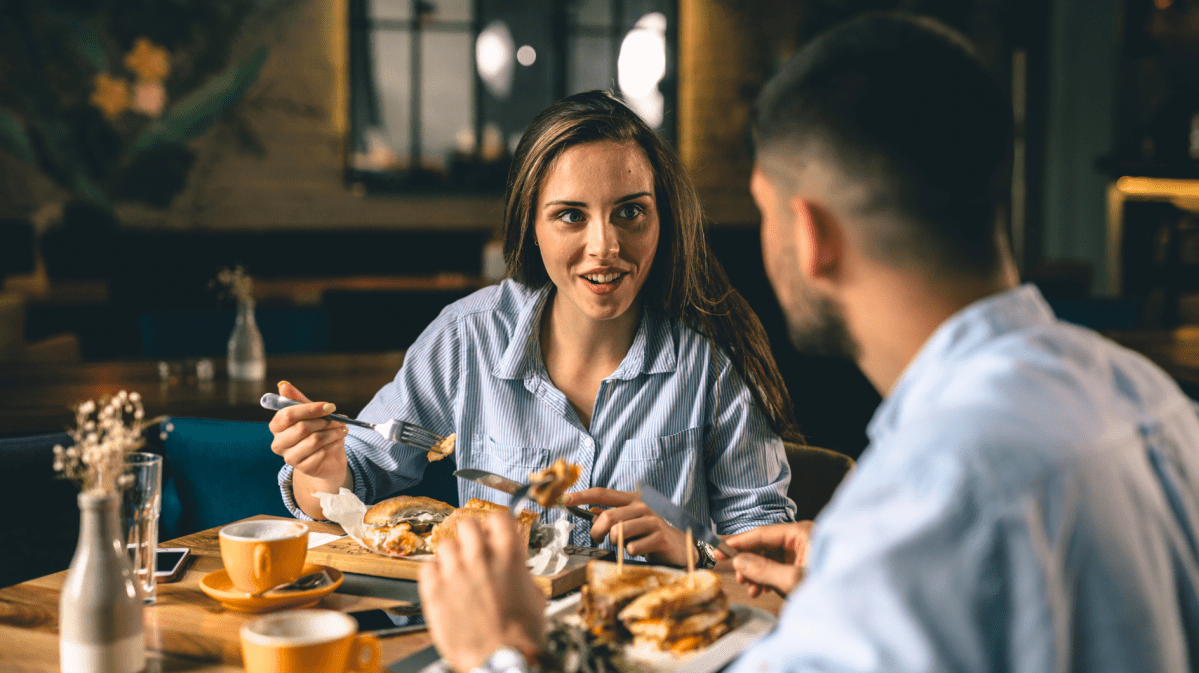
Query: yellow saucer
{"points": [[218, 586]]}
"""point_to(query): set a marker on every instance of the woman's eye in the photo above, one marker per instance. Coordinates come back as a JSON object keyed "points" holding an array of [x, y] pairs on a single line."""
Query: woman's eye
{"points": [[571, 216], [629, 211]]}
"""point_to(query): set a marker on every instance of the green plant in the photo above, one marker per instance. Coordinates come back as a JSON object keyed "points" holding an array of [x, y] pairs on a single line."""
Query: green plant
{"points": [[103, 96]]}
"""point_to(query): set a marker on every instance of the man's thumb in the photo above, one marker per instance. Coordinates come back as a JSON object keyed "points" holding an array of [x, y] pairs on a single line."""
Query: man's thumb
{"points": [[778, 576], [291, 392]]}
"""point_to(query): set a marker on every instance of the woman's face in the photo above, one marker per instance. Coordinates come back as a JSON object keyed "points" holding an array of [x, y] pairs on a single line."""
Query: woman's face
{"points": [[597, 227]]}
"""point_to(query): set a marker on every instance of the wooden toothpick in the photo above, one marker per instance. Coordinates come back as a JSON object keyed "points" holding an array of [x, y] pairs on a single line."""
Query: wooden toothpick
{"points": [[620, 548], [690, 559]]}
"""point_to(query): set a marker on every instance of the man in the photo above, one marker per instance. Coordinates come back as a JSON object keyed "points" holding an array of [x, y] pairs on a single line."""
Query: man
{"points": [[1028, 501]]}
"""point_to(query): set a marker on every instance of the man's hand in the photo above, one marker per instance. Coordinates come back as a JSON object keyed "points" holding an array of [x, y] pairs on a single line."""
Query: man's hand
{"points": [[790, 540], [313, 445], [645, 533], [478, 595]]}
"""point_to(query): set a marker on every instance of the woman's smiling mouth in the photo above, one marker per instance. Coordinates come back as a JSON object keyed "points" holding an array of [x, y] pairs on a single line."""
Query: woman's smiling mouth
{"points": [[603, 278]]}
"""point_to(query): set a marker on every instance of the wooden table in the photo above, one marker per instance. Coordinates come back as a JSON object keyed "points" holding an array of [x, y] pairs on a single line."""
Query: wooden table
{"points": [[187, 630], [37, 398]]}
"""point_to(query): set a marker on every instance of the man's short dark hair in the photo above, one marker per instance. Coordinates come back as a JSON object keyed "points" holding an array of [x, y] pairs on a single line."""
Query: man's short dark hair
{"points": [[905, 108]]}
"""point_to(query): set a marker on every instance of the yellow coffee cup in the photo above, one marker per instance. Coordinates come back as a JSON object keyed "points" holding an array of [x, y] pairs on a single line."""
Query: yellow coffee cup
{"points": [[261, 555], [300, 641]]}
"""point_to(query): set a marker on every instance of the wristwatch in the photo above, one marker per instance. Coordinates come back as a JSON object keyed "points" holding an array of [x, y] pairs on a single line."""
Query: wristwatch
{"points": [[503, 660], [707, 555]]}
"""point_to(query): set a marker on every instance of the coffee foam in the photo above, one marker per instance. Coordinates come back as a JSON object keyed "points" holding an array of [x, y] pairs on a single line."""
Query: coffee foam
{"points": [[265, 531], [298, 628]]}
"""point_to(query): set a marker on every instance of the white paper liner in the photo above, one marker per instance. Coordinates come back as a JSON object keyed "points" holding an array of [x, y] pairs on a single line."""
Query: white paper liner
{"points": [[346, 510], [552, 559]]}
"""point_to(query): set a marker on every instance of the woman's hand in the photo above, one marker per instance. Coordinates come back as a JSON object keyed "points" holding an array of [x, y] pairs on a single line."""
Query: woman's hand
{"points": [[313, 445], [788, 541], [478, 595], [645, 533]]}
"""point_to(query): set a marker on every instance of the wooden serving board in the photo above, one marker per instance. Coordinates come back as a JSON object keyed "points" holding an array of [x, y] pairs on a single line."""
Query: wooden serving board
{"points": [[348, 556]]}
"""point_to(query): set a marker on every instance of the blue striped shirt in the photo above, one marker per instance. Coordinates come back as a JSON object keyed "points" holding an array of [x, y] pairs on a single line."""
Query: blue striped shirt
{"points": [[674, 414]]}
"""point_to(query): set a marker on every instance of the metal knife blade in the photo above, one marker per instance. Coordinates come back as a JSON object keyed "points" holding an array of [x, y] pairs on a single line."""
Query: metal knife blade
{"points": [[679, 518], [506, 485]]}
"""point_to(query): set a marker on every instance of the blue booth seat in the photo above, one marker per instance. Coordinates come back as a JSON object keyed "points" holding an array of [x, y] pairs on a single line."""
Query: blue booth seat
{"points": [[42, 523], [215, 472]]}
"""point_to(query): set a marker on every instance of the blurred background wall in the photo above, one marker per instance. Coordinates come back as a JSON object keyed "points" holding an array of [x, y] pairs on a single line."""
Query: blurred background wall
{"points": [[362, 159]]}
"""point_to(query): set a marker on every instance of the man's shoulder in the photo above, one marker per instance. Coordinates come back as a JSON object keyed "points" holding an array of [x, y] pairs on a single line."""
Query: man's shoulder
{"points": [[1029, 403]]}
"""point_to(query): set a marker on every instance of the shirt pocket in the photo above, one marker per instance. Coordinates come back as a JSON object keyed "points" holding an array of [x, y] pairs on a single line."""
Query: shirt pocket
{"points": [[662, 462], [511, 461]]}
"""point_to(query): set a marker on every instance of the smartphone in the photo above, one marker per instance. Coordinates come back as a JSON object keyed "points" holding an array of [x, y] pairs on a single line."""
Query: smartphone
{"points": [[171, 562], [390, 621]]}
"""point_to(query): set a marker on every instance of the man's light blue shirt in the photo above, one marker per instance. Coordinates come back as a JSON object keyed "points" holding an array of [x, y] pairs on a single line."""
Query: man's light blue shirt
{"points": [[674, 414], [1028, 502]]}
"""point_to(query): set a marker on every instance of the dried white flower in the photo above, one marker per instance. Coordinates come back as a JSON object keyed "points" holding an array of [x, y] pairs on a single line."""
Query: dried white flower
{"points": [[105, 432], [237, 283]]}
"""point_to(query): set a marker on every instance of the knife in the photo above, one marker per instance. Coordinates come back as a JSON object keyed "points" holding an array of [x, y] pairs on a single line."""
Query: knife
{"points": [[677, 517], [506, 485]]}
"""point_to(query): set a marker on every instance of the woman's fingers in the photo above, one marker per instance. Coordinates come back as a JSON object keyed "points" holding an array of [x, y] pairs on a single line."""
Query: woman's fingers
{"points": [[291, 392]]}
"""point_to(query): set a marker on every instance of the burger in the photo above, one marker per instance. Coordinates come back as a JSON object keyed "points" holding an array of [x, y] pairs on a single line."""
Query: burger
{"points": [[477, 510], [401, 526]]}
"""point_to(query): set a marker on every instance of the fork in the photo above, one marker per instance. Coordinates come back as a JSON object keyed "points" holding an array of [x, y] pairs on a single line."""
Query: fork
{"points": [[398, 432]]}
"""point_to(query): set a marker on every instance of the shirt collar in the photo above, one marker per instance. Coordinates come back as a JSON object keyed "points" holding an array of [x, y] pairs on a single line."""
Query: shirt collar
{"points": [[652, 351], [956, 338]]}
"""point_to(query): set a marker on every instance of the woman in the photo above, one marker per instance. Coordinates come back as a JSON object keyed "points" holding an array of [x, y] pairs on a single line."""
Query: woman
{"points": [[616, 343]]}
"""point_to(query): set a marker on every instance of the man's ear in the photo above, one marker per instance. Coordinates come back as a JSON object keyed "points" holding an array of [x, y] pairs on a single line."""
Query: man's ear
{"points": [[819, 239]]}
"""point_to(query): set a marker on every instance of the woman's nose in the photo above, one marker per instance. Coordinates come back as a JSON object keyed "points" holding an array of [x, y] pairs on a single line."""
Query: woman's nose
{"points": [[601, 240]]}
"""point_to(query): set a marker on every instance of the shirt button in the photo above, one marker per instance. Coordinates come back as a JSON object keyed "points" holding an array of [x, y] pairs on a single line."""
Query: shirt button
{"points": [[588, 443]]}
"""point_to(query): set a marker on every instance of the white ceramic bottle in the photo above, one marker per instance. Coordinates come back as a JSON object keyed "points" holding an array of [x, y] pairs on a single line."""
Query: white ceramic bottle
{"points": [[100, 612], [247, 355]]}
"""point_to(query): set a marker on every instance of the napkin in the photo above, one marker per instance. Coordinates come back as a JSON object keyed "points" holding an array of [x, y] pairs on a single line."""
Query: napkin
{"points": [[552, 558], [345, 510]]}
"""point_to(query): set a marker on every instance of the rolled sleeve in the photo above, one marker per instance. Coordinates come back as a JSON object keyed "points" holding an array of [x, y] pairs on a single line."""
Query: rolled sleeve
{"points": [[748, 474]]}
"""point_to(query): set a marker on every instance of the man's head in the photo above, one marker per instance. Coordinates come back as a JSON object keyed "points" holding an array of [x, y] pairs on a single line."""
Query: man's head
{"points": [[891, 127]]}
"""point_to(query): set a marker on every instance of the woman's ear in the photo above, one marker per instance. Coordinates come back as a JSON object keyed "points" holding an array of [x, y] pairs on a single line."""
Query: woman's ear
{"points": [[819, 240]]}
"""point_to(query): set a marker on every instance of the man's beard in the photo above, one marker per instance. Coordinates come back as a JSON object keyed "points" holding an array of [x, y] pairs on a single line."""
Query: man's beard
{"points": [[818, 327]]}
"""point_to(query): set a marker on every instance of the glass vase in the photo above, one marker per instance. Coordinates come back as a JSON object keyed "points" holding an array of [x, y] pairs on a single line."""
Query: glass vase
{"points": [[247, 356], [100, 611]]}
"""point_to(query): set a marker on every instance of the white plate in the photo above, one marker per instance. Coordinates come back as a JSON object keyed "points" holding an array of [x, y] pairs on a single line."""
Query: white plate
{"points": [[752, 624]]}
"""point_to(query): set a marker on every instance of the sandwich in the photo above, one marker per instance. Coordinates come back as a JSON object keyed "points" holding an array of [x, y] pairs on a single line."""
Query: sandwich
{"points": [[400, 526], [662, 608], [443, 448], [477, 510], [558, 478], [607, 592], [689, 613]]}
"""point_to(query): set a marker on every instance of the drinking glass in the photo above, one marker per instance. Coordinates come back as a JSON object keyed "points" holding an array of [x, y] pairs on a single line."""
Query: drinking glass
{"points": [[141, 505]]}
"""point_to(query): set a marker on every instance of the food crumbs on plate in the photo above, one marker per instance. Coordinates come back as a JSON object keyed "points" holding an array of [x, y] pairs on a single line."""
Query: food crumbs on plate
{"points": [[444, 448]]}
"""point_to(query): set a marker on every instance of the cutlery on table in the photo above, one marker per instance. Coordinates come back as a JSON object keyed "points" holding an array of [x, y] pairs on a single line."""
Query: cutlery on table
{"points": [[505, 485], [313, 580], [399, 432], [679, 518]]}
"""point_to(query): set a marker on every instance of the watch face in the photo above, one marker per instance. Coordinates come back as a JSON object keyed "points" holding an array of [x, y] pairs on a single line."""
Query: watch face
{"points": [[506, 660]]}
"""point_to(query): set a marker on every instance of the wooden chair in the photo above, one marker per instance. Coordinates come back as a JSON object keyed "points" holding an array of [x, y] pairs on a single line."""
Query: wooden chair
{"points": [[815, 475]]}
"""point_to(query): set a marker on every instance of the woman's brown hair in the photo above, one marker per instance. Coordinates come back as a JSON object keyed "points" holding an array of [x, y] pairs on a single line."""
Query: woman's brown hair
{"points": [[686, 281]]}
